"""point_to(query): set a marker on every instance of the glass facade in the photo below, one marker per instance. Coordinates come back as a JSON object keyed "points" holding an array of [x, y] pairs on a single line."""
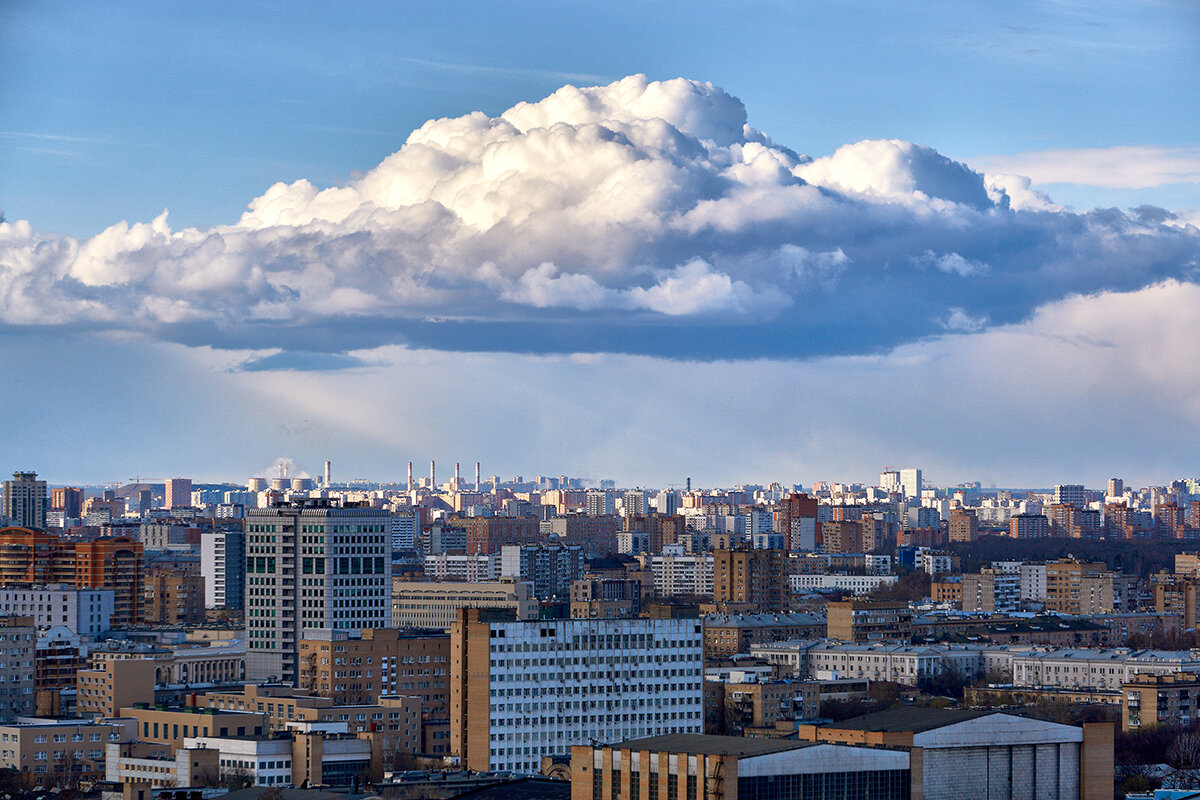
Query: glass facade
{"points": [[877, 785]]}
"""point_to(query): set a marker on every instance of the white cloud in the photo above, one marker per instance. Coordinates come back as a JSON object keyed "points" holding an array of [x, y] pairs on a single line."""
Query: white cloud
{"points": [[1120, 167], [952, 263], [631, 200]]}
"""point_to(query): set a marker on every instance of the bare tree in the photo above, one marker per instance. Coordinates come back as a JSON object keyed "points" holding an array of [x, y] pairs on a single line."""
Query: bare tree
{"points": [[1185, 750]]}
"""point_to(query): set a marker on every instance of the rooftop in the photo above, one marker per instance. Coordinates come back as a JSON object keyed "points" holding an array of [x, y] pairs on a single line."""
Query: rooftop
{"points": [[710, 745], [910, 718]]}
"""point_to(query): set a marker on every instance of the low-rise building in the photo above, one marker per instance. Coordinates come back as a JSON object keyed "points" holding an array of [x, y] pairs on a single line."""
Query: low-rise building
{"points": [[296, 759], [435, 605], [858, 584], [703, 767], [59, 752], [87, 612], [728, 634], [160, 765], [967, 753]]}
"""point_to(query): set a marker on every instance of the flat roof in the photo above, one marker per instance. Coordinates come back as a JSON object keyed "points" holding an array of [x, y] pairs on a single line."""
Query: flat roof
{"points": [[910, 718], [710, 745]]}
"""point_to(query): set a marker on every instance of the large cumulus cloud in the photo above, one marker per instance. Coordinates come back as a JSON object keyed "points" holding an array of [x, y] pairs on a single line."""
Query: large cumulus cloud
{"points": [[648, 211]]}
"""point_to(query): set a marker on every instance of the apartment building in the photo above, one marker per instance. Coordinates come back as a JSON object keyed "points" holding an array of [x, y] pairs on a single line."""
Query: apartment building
{"points": [[868, 621], [223, 567], [521, 690], [18, 649], [1100, 669], [59, 752], [728, 634], [173, 599], [361, 669], [1169, 699], [681, 575], [114, 684], [32, 558], [991, 591], [753, 578]]}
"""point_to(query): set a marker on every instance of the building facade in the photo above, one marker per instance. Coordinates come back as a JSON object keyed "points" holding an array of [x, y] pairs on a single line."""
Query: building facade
{"points": [[317, 565], [521, 690]]}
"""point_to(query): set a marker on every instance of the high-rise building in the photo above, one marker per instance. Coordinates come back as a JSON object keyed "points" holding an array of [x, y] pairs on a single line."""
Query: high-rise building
{"points": [[67, 499], [32, 558], [18, 649], [889, 480], [1028, 526], [179, 493], [315, 565], [991, 591], [223, 565], [173, 599], [1070, 494], [599, 503], [964, 525], [489, 534], [548, 568], [634, 502], [910, 483], [596, 534], [404, 526], [752, 577], [1064, 579], [523, 690], [1116, 488], [798, 522], [25, 500]]}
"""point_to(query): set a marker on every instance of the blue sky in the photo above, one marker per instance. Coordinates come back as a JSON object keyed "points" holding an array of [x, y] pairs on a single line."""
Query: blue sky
{"points": [[853, 265]]}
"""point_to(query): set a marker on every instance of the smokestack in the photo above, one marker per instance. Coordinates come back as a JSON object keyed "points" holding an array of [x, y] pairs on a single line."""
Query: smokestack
{"points": [[477, 476], [432, 474], [689, 484], [456, 476], [327, 471], [410, 483]]}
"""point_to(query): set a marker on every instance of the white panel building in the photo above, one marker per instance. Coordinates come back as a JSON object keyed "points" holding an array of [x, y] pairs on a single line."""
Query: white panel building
{"points": [[558, 683], [86, 612]]}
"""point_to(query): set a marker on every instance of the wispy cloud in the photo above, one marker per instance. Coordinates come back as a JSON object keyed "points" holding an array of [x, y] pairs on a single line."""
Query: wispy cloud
{"points": [[1121, 167], [449, 66], [48, 137]]}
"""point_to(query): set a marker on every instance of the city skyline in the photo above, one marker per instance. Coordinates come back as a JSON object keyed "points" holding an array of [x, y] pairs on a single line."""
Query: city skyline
{"points": [[768, 267]]}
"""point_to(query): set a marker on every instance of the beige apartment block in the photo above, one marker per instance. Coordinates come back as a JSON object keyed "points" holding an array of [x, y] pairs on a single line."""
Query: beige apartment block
{"points": [[112, 685]]}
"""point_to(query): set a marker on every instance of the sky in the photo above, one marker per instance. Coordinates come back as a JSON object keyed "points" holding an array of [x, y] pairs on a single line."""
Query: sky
{"points": [[751, 242]]}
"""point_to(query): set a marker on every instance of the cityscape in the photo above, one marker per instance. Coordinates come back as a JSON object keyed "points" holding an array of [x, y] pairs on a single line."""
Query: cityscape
{"points": [[599, 400], [544, 636]]}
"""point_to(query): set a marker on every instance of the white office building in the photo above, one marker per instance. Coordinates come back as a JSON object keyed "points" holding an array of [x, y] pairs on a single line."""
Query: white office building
{"points": [[859, 584], [86, 612], [552, 684]]}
